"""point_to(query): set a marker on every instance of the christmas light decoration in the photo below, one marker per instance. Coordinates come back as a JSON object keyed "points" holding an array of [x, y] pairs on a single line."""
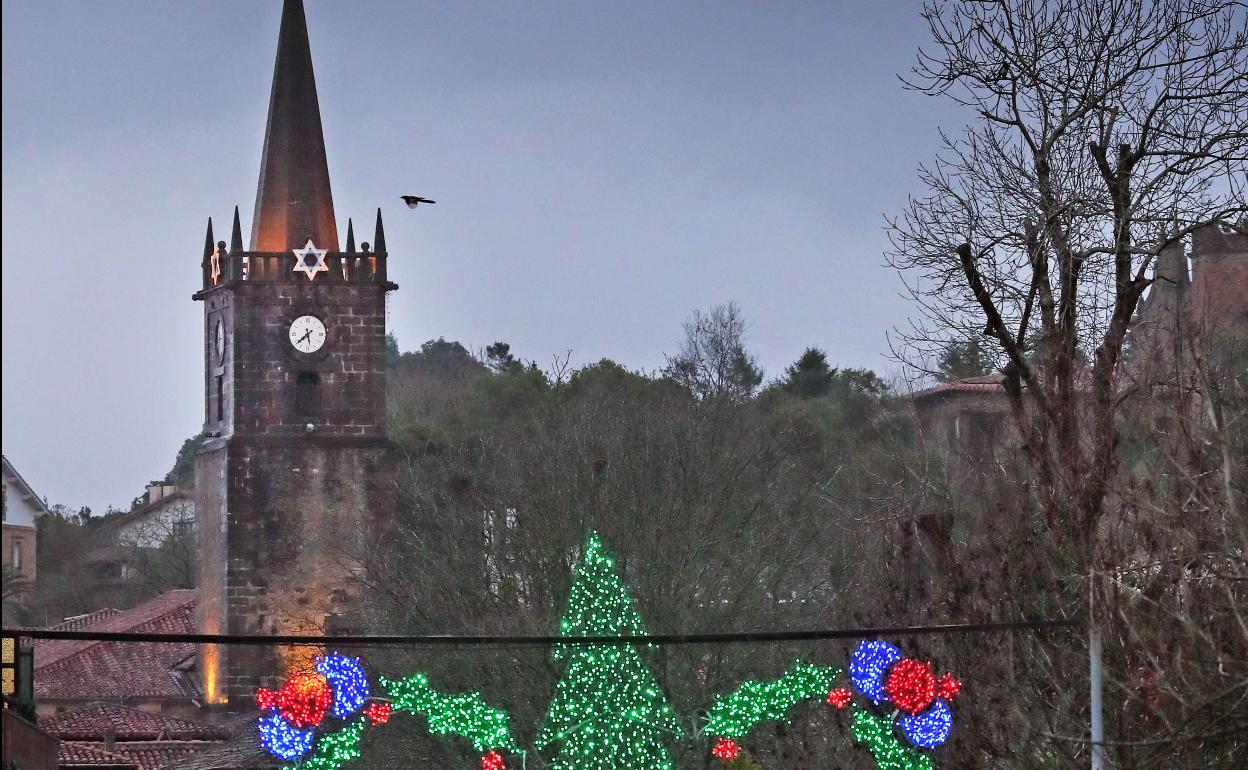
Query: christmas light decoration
{"points": [[336, 749], [608, 712], [930, 728], [867, 666], [283, 741], [725, 749], [492, 760], [266, 698], [378, 712], [465, 715], [911, 685], [304, 699], [347, 679], [876, 733], [734, 715]]}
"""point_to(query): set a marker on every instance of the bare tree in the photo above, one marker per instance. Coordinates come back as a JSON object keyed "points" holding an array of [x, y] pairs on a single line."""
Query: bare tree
{"points": [[1103, 131], [713, 362]]}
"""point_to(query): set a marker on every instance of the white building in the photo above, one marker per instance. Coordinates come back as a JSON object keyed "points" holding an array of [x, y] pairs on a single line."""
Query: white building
{"points": [[169, 512], [21, 507]]}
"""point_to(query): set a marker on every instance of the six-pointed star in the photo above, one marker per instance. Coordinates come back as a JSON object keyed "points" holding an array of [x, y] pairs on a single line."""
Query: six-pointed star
{"points": [[310, 260]]}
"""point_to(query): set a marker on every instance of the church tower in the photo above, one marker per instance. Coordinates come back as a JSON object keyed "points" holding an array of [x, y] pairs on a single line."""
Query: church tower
{"points": [[294, 475]]}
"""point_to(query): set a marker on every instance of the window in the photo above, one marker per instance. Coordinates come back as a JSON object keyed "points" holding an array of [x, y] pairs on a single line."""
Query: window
{"points": [[183, 528], [17, 555], [220, 398], [307, 394]]}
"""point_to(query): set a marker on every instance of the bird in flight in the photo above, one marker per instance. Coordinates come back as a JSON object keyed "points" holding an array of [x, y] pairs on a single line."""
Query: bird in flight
{"points": [[413, 201]]}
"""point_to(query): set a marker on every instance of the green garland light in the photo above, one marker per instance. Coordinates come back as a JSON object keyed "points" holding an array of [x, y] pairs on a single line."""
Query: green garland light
{"points": [[608, 712], [465, 715], [735, 714], [877, 734], [336, 748]]}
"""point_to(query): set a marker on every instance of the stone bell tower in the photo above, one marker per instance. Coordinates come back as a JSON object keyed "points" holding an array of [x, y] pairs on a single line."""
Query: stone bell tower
{"points": [[294, 477]]}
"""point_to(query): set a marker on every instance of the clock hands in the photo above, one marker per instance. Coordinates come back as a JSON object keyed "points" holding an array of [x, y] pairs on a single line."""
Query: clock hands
{"points": [[306, 335]]}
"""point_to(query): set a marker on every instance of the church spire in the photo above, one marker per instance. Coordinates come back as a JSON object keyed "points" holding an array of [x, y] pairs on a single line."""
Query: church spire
{"points": [[293, 199]]}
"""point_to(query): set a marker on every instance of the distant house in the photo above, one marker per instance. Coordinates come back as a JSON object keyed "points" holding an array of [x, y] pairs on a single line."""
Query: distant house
{"points": [[21, 507], [969, 418], [165, 519], [167, 512]]}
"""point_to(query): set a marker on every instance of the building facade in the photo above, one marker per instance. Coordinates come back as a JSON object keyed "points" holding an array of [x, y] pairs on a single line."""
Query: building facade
{"points": [[295, 475], [21, 507]]}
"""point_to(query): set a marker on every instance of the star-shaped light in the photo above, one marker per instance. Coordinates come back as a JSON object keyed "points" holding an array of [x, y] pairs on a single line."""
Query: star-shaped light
{"points": [[310, 260], [214, 265]]}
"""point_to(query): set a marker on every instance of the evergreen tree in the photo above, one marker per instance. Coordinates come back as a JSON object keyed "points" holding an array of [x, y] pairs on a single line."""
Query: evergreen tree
{"points": [[608, 712], [959, 360], [809, 376]]}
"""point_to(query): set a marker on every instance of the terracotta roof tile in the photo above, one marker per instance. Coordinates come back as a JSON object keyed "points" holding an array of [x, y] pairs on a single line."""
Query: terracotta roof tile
{"points": [[71, 754], [127, 724], [151, 755], [111, 670]]}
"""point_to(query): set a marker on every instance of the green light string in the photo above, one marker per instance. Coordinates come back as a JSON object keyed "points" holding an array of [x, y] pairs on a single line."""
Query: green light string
{"points": [[608, 712], [735, 714], [878, 735], [465, 714], [335, 749]]}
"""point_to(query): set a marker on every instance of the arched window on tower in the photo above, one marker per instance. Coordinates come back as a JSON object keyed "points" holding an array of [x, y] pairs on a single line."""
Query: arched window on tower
{"points": [[307, 394]]}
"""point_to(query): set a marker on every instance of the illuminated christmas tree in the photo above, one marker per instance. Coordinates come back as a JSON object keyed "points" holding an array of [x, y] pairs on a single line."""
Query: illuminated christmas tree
{"points": [[608, 712]]}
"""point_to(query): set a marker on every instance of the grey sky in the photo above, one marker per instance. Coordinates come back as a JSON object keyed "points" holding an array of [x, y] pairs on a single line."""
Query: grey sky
{"points": [[600, 171]]}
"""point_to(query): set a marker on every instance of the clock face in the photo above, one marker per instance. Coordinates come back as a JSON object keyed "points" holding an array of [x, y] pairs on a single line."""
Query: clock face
{"points": [[220, 339], [307, 333]]}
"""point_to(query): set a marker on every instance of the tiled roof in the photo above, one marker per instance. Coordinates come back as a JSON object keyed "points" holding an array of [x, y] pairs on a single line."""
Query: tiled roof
{"points": [[988, 383], [127, 724], [151, 755], [111, 670], [71, 754], [76, 623]]}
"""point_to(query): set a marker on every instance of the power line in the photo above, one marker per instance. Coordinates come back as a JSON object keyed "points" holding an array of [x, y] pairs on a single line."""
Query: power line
{"points": [[449, 640]]}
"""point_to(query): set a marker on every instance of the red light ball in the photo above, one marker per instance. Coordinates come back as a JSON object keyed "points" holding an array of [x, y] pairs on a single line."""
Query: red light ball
{"points": [[840, 697], [948, 687], [911, 685], [303, 699], [492, 760], [725, 749]]}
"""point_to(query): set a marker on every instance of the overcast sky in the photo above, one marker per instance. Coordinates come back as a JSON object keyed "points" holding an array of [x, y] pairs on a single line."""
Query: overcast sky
{"points": [[601, 170]]}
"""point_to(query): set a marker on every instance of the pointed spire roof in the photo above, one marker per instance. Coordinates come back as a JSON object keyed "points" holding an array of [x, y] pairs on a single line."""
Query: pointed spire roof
{"points": [[293, 199], [379, 236], [350, 237], [236, 234], [208, 244]]}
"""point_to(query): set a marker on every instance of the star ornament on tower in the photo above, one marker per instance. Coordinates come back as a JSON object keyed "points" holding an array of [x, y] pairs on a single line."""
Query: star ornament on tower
{"points": [[310, 260]]}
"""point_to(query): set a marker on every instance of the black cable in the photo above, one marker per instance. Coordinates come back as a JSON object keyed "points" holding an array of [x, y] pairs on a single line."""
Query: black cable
{"points": [[535, 641]]}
